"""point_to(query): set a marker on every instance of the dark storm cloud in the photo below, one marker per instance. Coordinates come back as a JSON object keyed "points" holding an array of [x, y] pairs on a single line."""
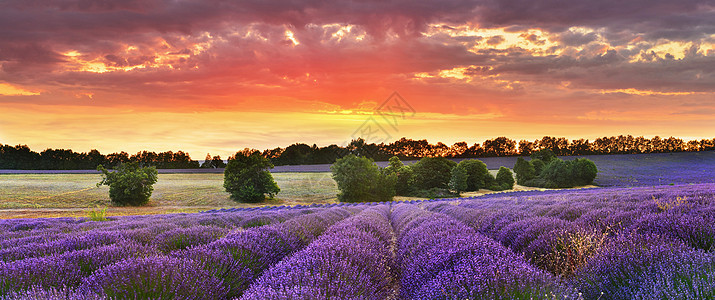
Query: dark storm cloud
{"points": [[36, 35]]}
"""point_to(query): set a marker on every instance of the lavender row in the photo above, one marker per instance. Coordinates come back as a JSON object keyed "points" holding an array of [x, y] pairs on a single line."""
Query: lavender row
{"points": [[35, 265], [442, 258], [352, 260], [610, 243], [242, 256], [38, 238]]}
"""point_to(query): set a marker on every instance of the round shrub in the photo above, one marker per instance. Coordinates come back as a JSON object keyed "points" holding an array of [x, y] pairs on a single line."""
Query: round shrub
{"points": [[432, 172], [557, 174], [584, 171], [505, 179], [477, 174], [247, 178], [361, 180], [129, 184]]}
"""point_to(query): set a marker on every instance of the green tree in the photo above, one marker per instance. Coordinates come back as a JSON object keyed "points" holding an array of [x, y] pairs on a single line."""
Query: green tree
{"points": [[247, 178], [432, 172], [395, 163], [584, 171], [545, 155], [557, 174], [405, 181], [524, 170], [539, 166], [505, 179], [129, 184], [477, 174], [405, 176], [458, 182], [360, 180]]}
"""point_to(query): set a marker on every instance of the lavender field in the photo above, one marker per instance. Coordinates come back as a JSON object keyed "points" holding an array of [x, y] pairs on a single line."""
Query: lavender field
{"points": [[608, 243]]}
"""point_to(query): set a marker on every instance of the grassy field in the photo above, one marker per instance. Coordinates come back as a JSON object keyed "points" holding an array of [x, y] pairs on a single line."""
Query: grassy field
{"points": [[75, 195], [50, 195]]}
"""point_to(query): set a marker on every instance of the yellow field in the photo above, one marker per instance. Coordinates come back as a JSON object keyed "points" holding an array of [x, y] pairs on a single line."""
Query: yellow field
{"points": [[50, 195]]}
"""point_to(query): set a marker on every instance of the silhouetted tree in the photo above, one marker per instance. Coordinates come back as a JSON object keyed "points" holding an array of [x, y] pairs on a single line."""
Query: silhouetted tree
{"points": [[214, 162], [500, 146], [526, 147]]}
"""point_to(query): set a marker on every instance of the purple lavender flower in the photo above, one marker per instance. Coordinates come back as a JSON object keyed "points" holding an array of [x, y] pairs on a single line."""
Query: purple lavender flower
{"points": [[565, 250], [70, 243], [234, 275], [182, 238], [519, 235], [696, 231], [44, 272], [441, 258], [155, 278], [352, 261], [39, 293], [619, 268]]}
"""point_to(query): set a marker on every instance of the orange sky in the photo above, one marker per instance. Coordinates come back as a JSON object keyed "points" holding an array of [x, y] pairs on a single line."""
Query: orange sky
{"points": [[209, 76]]}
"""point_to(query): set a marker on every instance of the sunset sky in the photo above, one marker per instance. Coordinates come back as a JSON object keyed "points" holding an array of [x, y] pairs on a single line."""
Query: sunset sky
{"points": [[218, 76]]}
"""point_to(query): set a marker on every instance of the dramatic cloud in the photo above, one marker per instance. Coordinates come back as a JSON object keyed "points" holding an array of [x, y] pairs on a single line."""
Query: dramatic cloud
{"points": [[516, 61]]}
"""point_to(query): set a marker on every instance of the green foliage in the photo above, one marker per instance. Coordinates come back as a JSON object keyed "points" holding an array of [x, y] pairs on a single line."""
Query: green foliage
{"points": [[432, 172], [524, 171], [395, 163], [477, 174], [546, 155], [557, 173], [584, 171], [129, 184], [505, 179], [247, 178], [434, 193], [563, 174], [458, 182], [360, 180], [98, 215], [538, 166], [491, 183], [405, 176], [405, 180]]}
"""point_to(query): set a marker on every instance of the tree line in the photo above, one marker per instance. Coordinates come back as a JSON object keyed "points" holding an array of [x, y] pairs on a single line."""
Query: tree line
{"points": [[299, 154], [21, 157]]}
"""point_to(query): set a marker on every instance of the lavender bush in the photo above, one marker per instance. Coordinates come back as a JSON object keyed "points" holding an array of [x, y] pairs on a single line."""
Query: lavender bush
{"points": [[350, 261], [641, 242]]}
